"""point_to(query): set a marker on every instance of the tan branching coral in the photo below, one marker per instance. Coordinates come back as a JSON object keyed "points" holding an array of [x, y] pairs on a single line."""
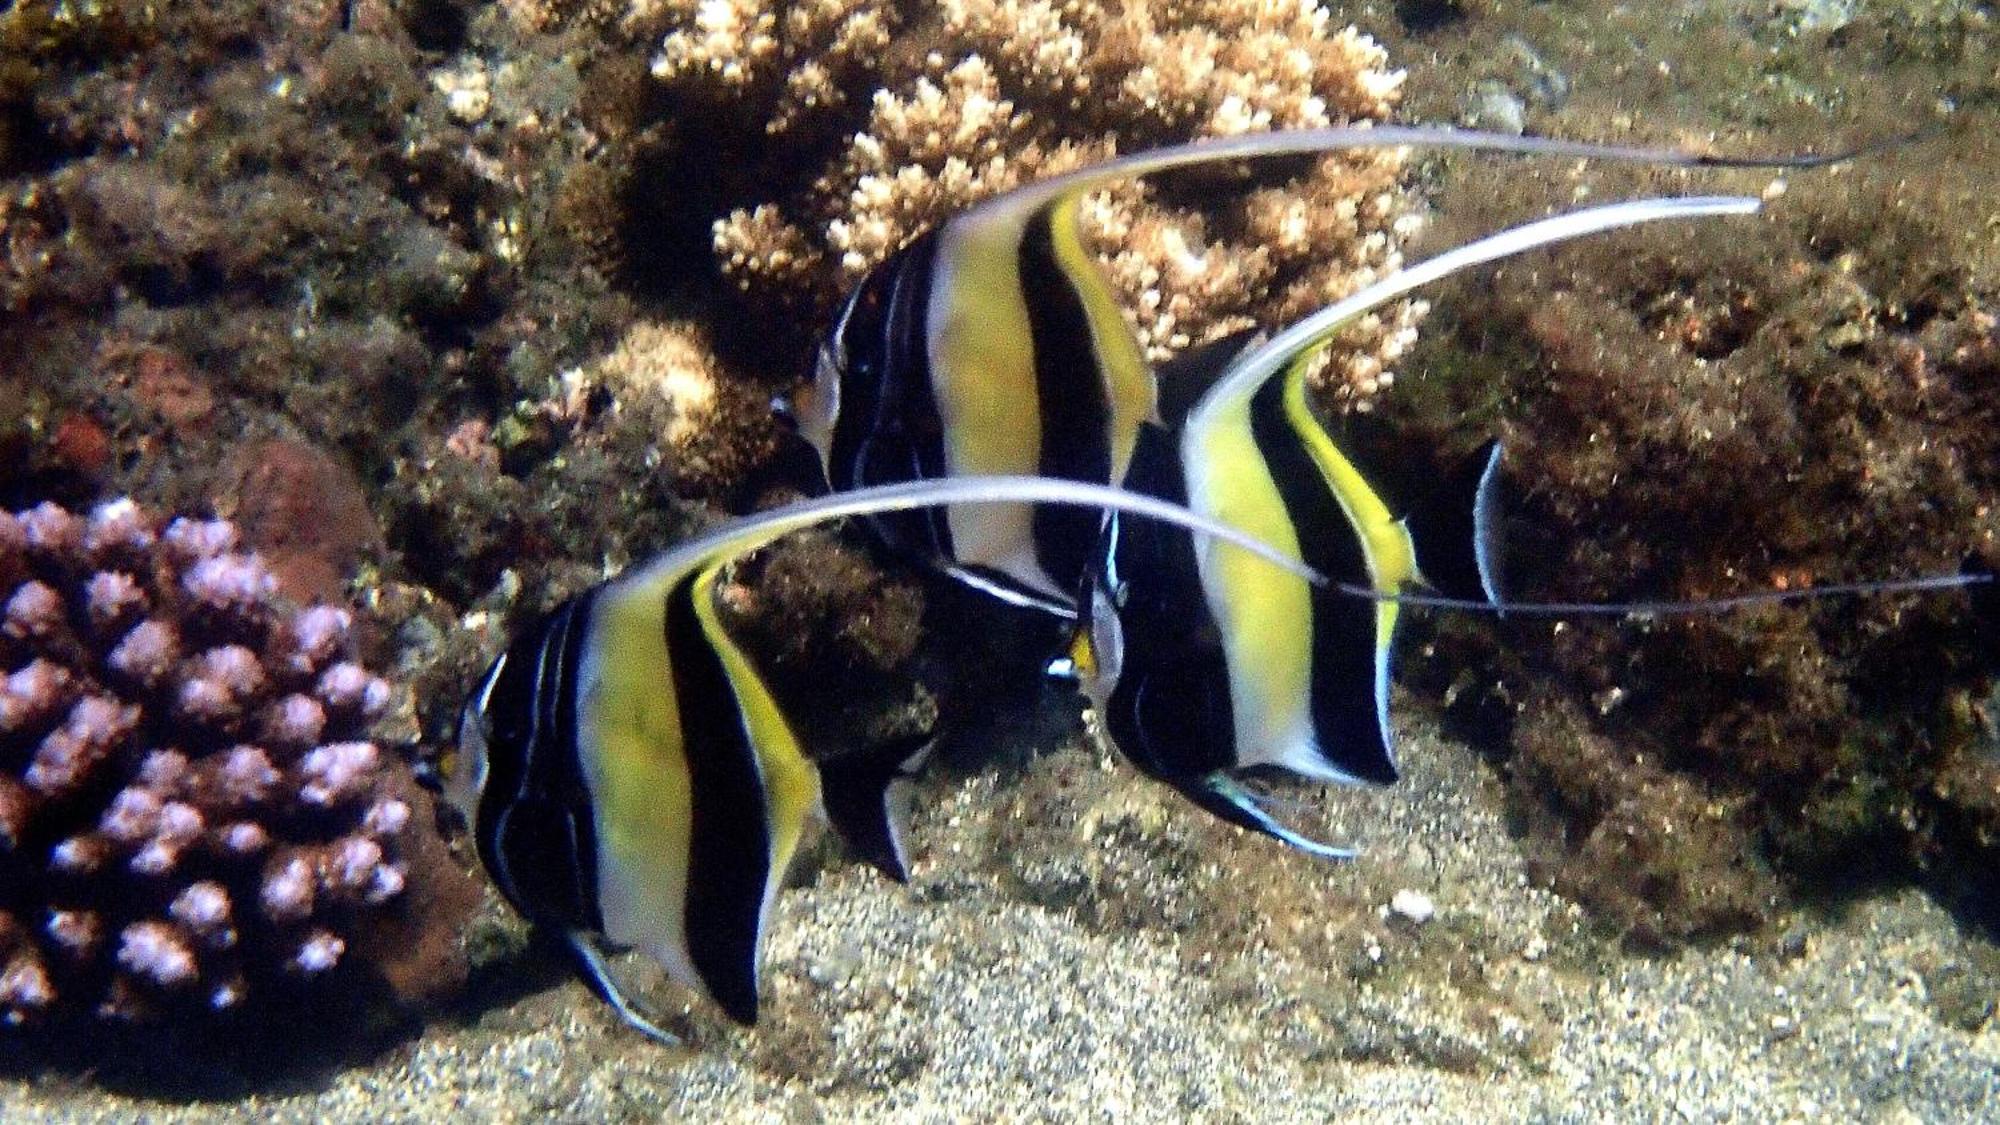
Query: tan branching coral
{"points": [[661, 367], [664, 384], [923, 115]]}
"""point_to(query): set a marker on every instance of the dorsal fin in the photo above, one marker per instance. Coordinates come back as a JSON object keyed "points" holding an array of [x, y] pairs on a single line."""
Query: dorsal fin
{"points": [[1307, 142], [1298, 340], [1184, 379]]}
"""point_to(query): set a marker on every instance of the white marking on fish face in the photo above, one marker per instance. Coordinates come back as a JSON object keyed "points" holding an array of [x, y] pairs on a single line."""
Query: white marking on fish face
{"points": [[466, 767], [816, 408], [1099, 675]]}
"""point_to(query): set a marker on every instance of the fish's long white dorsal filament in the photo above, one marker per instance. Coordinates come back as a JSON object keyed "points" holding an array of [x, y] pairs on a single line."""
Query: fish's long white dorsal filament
{"points": [[748, 533], [1305, 142], [1670, 607]]}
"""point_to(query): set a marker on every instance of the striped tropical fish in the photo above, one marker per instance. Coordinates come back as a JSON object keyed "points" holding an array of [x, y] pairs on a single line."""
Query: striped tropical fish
{"points": [[1206, 665], [1204, 662], [632, 782]]}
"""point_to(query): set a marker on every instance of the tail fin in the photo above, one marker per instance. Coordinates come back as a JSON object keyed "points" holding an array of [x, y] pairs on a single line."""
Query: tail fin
{"points": [[1454, 530], [864, 798], [1985, 591]]}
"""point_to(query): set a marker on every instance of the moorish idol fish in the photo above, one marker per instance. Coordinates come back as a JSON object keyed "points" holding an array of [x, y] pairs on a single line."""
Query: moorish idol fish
{"points": [[632, 783], [993, 344], [1203, 668]]}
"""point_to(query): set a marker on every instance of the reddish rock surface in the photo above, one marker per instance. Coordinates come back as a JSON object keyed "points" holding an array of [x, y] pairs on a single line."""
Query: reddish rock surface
{"points": [[305, 511]]}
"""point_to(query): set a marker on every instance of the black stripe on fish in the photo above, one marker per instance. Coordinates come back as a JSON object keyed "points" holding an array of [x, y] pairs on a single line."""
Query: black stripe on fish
{"points": [[1345, 718], [889, 429], [729, 840], [1071, 399], [535, 831]]}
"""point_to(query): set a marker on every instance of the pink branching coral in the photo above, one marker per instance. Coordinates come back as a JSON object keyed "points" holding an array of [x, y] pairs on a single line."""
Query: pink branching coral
{"points": [[190, 815]]}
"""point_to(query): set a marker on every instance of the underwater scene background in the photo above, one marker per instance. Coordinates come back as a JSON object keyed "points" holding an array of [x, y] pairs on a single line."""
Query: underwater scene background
{"points": [[426, 315]]}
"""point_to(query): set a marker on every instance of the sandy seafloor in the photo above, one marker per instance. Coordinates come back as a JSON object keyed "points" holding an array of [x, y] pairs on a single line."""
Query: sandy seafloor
{"points": [[966, 998], [1119, 957]]}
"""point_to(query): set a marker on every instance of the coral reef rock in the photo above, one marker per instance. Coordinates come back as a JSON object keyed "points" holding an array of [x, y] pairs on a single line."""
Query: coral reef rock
{"points": [[1807, 398], [191, 818]]}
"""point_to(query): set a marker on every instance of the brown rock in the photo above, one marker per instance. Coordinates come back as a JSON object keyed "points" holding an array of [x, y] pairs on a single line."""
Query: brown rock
{"points": [[80, 443], [304, 511], [417, 946], [164, 382]]}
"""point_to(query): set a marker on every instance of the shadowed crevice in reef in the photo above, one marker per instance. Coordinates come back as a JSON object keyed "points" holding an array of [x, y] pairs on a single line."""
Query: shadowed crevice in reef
{"points": [[283, 1049]]}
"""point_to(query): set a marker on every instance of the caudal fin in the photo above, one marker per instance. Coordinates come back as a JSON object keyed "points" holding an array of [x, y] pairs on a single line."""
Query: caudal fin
{"points": [[864, 798], [1985, 612], [1454, 529]]}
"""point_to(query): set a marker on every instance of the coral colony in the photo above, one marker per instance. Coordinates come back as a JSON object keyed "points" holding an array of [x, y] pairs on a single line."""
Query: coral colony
{"points": [[189, 815]]}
